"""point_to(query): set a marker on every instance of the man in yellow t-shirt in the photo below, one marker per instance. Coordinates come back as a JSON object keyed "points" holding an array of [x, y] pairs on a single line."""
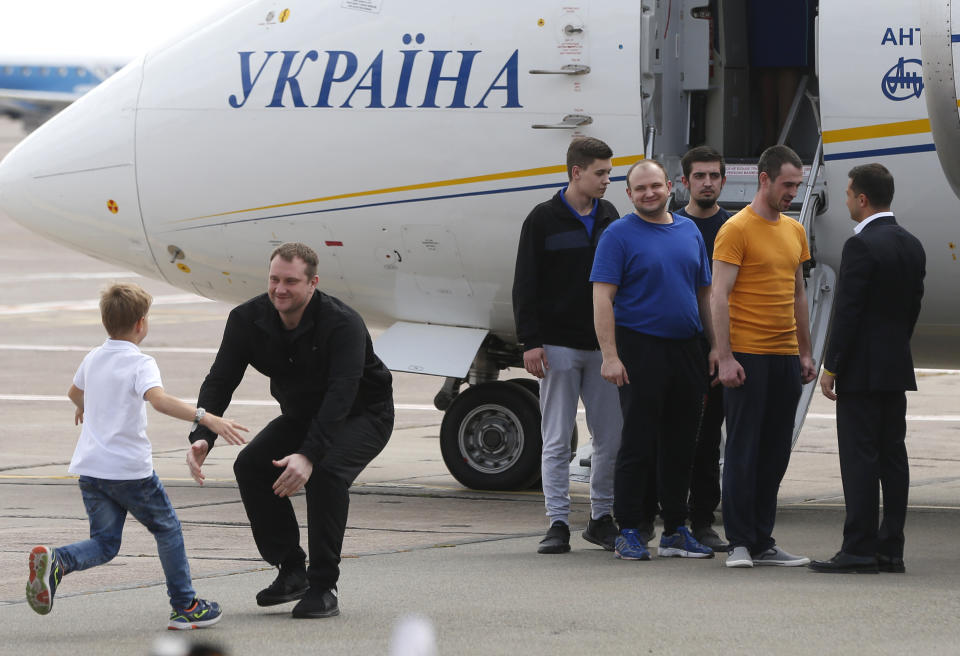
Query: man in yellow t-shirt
{"points": [[761, 324]]}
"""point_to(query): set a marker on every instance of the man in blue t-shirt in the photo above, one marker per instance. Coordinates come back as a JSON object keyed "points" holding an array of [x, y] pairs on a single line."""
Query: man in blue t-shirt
{"points": [[651, 287], [704, 174]]}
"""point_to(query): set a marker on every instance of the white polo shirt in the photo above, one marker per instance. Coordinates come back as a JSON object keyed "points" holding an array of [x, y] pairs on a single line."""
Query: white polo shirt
{"points": [[113, 443]]}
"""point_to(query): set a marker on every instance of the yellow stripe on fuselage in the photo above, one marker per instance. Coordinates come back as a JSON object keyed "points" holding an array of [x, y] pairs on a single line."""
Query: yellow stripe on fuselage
{"points": [[543, 170], [898, 129]]}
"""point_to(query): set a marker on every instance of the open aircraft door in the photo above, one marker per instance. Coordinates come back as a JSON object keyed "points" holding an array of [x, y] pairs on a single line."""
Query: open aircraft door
{"points": [[940, 50]]}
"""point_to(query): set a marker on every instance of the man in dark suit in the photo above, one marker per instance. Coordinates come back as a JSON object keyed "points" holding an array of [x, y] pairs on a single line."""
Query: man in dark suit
{"points": [[868, 361]]}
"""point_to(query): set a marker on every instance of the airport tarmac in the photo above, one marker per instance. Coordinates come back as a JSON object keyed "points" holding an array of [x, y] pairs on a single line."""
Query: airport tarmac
{"points": [[417, 542]]}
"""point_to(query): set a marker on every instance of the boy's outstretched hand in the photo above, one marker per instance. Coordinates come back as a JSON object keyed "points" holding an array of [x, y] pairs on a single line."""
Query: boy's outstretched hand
{"points": [[225, 428]]}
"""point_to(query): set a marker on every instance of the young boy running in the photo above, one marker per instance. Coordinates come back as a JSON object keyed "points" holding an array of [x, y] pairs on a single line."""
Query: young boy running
{"points": [[114, 461]]}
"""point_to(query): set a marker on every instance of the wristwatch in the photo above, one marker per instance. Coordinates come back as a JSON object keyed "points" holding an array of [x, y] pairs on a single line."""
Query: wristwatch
{"points": [[196, 418]]}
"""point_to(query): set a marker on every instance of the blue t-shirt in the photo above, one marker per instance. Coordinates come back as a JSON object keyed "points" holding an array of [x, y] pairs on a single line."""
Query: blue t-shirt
{"points": [[657, 269], [587, 219]]}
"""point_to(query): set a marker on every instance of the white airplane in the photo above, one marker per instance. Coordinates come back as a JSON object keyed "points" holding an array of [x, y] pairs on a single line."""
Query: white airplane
{"points": [[408, 141], [35, 89]]}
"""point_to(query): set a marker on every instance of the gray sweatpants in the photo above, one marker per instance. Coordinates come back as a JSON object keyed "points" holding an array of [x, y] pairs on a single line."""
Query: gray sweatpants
{"points": [[575, 374]]}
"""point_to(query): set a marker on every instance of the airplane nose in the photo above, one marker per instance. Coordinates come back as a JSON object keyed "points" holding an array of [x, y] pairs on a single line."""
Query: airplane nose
{"points": [[73, 180]]}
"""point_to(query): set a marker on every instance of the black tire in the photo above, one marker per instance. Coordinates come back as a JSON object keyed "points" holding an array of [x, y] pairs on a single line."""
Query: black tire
{"points": [[490, 437], [534, 387]]}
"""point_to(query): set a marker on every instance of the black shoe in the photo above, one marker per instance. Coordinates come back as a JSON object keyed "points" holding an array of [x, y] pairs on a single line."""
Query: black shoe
{"points": [[557, 539], [892, 564], [290, 585], [602, 531], [710, 538], [844, 563], [315, 605]]}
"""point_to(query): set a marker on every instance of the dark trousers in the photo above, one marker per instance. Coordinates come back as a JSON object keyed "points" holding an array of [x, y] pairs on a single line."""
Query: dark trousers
{"points": [[661, 412], [871, 427], [272, 519], [760, 417], [705, 478]]}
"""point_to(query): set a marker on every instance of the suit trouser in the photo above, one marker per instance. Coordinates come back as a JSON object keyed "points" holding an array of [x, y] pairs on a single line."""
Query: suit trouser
{"points": [[760, 418], [661, 412], [871, 427], [575, 374], [272, 519]]}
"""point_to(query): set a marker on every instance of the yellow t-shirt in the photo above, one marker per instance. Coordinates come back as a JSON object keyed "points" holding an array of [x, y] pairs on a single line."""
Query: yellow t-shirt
{"points": [[762, 300]]}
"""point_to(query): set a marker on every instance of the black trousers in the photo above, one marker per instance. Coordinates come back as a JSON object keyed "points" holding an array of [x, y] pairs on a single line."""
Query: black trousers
{"points": [[871, 427], [272, 519], [760, 418], [705, 478], [661, 409]]}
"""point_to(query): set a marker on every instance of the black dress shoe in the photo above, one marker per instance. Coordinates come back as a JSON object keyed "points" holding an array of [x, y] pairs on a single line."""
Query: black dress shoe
{"points": [[290, 585], [892, 564], [557, 539], [317, 604], [844, 563]]}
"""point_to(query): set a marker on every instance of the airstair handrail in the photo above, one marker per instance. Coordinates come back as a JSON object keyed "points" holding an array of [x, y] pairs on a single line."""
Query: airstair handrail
{"points": [[808, 209]]}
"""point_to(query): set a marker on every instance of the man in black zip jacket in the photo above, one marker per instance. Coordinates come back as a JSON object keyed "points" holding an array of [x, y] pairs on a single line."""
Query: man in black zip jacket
{"points": [[336, 403], [553, 309]]}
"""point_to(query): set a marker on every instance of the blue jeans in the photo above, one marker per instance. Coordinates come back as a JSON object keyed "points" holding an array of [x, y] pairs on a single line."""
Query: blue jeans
{"points": [[107, 503]]}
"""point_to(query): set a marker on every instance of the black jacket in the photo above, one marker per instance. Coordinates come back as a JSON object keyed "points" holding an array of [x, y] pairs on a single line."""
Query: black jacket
{"points": [[878, 301], [321, 372], [552, 292]]}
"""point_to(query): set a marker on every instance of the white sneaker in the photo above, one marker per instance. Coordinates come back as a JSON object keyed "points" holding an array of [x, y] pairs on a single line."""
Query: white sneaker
{"points": [[739, 557], [777, 556]]}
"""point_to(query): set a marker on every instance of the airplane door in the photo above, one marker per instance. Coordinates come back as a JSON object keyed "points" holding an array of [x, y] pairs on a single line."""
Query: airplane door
{"points": [[941, 54]]}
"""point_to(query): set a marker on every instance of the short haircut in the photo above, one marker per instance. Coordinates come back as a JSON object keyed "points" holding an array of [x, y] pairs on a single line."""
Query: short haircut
{"points": [[774, 157], [295, 249], [122, 305], [642, 162], [873, 181], [702, 154], [583, 151]]}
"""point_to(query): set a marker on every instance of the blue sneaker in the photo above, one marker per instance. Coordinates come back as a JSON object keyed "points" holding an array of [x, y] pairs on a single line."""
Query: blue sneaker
{"points": [[45, 574], [201, 613], [682, 545], [629, 546]]}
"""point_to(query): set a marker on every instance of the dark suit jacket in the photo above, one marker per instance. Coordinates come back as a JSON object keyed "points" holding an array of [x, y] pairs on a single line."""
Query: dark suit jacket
{"points": [[877, 304]]}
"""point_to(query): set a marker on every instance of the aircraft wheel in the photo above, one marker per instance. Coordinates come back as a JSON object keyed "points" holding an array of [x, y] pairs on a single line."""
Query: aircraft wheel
{"points": [[534, 387], [490, 437]]}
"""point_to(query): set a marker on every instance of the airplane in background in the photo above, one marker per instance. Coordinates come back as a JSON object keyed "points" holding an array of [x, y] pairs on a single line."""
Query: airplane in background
{"points": [[407, 142], [46, 65], [36, 89]]}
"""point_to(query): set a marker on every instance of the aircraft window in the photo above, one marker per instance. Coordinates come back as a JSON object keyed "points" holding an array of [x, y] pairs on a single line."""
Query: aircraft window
{"points": [[82, 72], [7, 70], [44, 71], [62, 71], [25, 71]]}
